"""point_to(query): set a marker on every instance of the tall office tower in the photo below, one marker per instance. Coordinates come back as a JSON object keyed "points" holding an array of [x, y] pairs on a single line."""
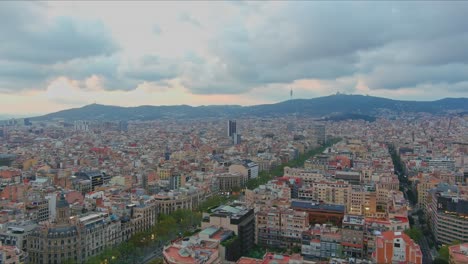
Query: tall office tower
{"points": [[231, 128], [237, 139], [123, 126], [320, 133]]}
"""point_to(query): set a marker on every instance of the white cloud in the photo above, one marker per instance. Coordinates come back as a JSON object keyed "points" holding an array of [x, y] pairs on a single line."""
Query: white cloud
{"points": [[230, 52]]}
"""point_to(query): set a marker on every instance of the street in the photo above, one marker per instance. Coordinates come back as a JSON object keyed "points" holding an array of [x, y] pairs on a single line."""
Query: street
{"points": [[425, 249], [154, 255]]}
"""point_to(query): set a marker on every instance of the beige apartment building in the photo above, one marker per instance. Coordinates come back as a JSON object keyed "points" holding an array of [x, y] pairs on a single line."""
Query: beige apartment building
{"points": [[165, 171], [280, 228], [425, 184], [362, 201], [230, 181], [169, 203], [327, 191], [307, 176]]}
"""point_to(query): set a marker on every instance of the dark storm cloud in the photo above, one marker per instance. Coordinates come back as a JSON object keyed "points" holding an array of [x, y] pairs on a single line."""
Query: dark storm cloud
{"points": [[393, 45], [407, 76], [32, 46], [28, 37], [387, 45]]}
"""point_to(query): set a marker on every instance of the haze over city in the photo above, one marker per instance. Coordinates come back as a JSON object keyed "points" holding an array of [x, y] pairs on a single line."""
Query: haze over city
{"points": [[58, 55], [229, 132]]}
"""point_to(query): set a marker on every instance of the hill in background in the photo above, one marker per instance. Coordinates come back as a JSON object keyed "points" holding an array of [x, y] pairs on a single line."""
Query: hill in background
{"points": [[339, 106]]}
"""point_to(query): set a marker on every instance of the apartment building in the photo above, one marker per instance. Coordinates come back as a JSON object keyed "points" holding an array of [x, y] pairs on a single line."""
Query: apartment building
{"points": [[426, 182], [11, 255], [321, 242], [171, 202], [97, 231], [308, 176], [246, 168], [15, 234], [352, 236], [209, 246], [362, 200], [235, 217], [458, 254], [353, 177], [280, 228], [77, 239], [230, 181], [396, 247], [319, 162], [326, 191], [447, 212]]}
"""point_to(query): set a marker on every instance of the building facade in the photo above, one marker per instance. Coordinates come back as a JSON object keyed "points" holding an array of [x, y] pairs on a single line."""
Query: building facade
{"points": [[396, 247]]}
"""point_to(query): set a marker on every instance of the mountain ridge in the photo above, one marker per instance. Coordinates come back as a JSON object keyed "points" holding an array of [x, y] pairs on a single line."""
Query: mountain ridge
{"points": [[315, 107]]}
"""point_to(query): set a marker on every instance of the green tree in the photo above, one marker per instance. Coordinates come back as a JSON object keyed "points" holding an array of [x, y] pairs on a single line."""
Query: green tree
{"points": [[440, 260], [156, 261], [414, 233], [265, 176], [444, 251]]}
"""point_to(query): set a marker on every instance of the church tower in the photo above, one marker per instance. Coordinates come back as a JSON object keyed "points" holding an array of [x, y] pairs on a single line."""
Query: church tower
{"points": [[63, 210]]}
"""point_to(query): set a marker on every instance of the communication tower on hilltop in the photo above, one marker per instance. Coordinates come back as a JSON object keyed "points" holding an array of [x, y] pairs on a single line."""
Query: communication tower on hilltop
{"points": [[291, 126]]}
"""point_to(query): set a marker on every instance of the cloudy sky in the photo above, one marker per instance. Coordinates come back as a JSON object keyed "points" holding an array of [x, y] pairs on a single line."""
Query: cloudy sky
{"points": [[59, 55]]}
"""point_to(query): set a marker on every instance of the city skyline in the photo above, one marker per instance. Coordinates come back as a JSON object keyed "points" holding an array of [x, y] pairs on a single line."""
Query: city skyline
{"points": [[61, 55]]}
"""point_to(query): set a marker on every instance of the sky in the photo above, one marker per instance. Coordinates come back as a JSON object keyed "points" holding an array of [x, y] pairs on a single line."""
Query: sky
{"points": [[63, 54]]}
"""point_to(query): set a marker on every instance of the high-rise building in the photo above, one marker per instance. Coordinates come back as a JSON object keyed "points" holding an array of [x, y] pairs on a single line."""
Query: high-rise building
{"points": [[447, 213], [320, 133], [232, 129], [237, 139], [123, 126], [237, 218]]}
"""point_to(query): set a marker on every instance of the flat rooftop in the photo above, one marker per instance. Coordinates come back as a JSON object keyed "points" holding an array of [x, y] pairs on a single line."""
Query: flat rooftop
{"points": [[317, 206]]}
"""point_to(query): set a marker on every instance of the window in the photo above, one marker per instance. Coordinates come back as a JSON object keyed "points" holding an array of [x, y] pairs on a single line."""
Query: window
{"points": [[397, 245]]}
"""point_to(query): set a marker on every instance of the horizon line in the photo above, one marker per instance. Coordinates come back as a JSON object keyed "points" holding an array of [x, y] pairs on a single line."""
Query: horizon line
{"points": [[32, 115]]}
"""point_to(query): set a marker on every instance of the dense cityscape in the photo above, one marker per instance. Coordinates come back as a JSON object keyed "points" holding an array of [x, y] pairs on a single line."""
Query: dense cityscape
{"points": [[257, 190], [233, 132]]}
